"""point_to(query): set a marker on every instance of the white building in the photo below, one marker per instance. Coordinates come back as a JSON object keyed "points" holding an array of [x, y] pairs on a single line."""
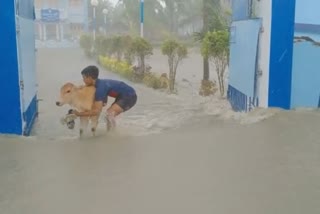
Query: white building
{"points": [[60, 19]]}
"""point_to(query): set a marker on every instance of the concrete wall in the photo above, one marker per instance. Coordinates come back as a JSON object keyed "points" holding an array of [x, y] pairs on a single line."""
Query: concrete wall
{"points": [[263, 11]]}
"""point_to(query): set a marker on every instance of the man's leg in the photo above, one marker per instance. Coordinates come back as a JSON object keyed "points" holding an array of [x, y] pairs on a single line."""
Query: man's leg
{"points": [[120, 105], [112, 112]]}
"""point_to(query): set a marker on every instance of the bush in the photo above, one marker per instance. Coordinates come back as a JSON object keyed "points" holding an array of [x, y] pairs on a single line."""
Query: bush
{"points": [[207, 88], [101, 45], [116, 54], [152, 81], [126, 44], [215, 46], [140, 48], [176, 52], [119, 67], [86, 43]]}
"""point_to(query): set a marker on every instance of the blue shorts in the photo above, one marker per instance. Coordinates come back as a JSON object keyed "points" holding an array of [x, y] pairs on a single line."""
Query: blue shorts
{"points": [[126, 102]]}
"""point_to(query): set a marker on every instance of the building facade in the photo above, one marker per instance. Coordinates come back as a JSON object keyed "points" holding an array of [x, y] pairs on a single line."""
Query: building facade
{"points": [[60, 19]]}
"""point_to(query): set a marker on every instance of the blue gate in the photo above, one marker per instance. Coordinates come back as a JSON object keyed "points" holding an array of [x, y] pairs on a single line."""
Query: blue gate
{"points": [[244, 43], [26, 59]]}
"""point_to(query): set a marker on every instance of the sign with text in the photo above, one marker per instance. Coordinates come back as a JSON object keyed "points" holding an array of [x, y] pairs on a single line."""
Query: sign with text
{"points": [[50, 15]]}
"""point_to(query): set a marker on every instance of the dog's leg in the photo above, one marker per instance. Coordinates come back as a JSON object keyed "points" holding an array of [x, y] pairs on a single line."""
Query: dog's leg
{"points": [[83, 124]]}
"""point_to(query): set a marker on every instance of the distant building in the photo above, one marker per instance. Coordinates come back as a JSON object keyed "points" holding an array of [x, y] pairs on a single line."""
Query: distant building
{"points": [[60, 19]]}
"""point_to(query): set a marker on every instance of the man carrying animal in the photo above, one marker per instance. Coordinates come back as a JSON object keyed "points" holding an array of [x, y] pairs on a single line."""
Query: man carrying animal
{"points": [[125, 96]]}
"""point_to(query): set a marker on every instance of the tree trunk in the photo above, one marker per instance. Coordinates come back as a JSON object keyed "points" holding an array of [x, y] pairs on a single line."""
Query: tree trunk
{"points": [[206, 69], [171, 82], [175, 67], [142, 65], [171, 79], [205, 17]]}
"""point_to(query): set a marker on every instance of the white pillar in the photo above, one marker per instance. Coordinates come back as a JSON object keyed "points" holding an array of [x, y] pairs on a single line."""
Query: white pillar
{"points": [[61, 32], [57, 32], [44, 32], [40, 31], [94, 26]]}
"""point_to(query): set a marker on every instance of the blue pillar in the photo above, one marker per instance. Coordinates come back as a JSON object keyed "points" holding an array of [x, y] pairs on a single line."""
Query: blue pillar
{"points": [[10, 109], [282, 33], [142, 18], [86, 15]]}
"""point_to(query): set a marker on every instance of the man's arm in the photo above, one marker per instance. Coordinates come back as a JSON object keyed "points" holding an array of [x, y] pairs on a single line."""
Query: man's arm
{"points": [[96, 109]]}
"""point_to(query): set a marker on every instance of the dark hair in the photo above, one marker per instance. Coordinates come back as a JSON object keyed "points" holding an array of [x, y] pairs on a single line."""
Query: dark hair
{"points": [[91, 71]]}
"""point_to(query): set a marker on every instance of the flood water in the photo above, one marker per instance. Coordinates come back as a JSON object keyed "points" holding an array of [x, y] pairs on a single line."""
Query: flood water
{"points": [[170, 154]]}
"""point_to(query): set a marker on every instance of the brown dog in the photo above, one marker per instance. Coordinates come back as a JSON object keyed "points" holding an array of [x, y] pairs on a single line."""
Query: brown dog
{"points": [[81, 98], [164, 80]]}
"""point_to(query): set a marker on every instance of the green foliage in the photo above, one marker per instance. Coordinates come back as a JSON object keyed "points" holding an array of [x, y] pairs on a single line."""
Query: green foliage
{"points": [[119, 67], [126, 44], [152, 81], [101, 45], [174, 49], [207, 88], [86, 43], [215, 46], [176, 52], [141, 47]]}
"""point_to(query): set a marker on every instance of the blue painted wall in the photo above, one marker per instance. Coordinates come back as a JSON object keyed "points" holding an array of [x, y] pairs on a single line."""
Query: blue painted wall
{"points": [[280, 74], [307, 12], [240, 9], [10, 112], [306, 63], [243, 56], [306, 75]]}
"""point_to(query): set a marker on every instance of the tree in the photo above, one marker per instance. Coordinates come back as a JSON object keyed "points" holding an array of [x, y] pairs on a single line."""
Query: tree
{"points": [[141, 48], [176, 52], [214, 18], [215, 46]]}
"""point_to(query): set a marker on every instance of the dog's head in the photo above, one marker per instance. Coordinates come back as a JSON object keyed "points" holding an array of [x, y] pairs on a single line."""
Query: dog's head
{"points": [[65, 94]]}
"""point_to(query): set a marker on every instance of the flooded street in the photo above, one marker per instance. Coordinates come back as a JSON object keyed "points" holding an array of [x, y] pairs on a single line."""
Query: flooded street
{"points": [[179, 154]]}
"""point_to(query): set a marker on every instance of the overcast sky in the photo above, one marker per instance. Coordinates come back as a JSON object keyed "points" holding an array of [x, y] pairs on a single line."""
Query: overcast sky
{"points": [[113, 1]]}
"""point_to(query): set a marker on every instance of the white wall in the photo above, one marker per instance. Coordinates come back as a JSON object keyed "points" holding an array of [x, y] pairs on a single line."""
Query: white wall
{"points": [[263, 9]]}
